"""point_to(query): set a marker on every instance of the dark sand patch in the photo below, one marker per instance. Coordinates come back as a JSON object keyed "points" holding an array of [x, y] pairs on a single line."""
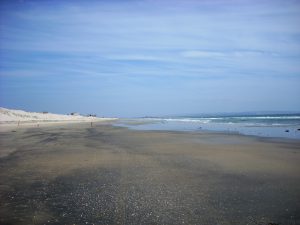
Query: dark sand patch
{"points": [[107, 175]]}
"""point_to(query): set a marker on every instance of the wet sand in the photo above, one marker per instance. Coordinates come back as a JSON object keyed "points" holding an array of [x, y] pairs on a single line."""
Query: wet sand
{"points": [[77, 174]]}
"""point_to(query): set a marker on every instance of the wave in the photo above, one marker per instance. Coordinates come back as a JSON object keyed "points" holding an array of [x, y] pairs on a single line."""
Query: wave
{"points": [[245, 120]]}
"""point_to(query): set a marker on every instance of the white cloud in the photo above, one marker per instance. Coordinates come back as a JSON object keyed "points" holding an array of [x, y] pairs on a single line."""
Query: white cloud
{"points": [[232, 54], [202, 54], [135, 57]]}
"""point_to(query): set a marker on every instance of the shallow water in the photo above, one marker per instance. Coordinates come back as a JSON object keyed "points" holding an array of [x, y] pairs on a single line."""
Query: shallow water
{"points": [[286, 128]]}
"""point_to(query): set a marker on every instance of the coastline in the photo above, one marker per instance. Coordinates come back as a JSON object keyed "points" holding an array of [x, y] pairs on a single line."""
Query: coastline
{"points": [[291, 131], [74, 173], [7, 126]]}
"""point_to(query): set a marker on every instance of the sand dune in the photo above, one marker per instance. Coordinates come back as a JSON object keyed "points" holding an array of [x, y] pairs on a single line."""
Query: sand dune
{"points": [[10, 115]]}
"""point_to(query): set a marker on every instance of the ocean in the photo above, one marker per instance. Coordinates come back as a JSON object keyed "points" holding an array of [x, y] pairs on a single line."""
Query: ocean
{"points": [[274, 125]]}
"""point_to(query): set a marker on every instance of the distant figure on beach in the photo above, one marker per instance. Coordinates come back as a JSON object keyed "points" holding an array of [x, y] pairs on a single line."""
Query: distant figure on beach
{"points": [[91, 124]]}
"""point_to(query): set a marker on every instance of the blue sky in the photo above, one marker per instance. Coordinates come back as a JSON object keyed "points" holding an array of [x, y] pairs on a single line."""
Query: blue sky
{"points": [[150, 57]]}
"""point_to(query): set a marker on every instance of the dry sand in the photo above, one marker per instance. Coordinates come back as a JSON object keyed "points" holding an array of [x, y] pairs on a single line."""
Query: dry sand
{"points": [[75, 174], [11, 119]]}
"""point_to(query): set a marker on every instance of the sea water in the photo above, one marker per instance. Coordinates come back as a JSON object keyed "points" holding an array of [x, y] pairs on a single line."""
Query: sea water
{"points": [[280, 125]]}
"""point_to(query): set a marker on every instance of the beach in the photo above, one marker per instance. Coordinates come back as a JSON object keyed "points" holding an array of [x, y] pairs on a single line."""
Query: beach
{"points": [[149, 112], [73, 173]]}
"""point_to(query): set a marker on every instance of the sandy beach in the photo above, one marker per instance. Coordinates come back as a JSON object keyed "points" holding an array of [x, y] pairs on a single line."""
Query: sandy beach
{"points": [[77, 174], [149, 112]]}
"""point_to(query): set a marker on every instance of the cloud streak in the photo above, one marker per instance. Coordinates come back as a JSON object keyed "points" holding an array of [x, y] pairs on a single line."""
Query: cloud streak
{"points": [[234, 54]]}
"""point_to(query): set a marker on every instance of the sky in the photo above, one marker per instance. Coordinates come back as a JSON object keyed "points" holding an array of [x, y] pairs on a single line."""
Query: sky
{"points": [[131, 58]]}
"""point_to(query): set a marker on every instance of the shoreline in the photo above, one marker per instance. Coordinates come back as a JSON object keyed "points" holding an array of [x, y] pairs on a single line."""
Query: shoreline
{"points": [[229, 133], [9, 126], [296, 140], [291, 132]]}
